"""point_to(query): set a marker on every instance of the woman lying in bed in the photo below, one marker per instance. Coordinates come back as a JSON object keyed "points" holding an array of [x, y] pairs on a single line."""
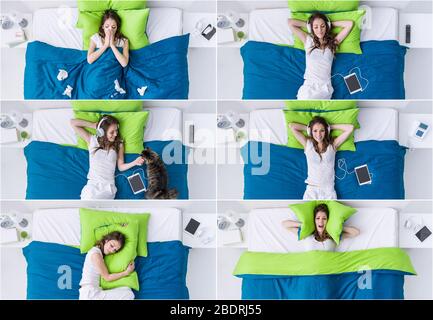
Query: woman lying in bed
{"points": [[320, 149], [320, 46], [320, 239], [94, 268], [109, 36]]}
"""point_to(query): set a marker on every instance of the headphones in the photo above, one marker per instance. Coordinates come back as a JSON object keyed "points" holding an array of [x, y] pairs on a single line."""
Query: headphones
{"points": [[100, 132], [310, 27], [328, 127]]}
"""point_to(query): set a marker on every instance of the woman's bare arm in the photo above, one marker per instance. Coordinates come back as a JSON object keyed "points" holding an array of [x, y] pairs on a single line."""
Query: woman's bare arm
{"points": [[99, 263], [93, 55], [292, 226], [347, 131], [79, 125], [296, 27], [346, 28], [350, 232], [297, 130], [121, 165], [123, 58]]}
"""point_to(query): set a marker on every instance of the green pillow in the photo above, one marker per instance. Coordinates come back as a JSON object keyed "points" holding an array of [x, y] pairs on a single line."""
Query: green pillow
{"points": [[304, 213], [107, 105], [338, 214], [325, 105], [323, 5], [102, 5], [91, 219], [119, 261], [133, 26], [131, 128], [332, 117], [351, 44]]}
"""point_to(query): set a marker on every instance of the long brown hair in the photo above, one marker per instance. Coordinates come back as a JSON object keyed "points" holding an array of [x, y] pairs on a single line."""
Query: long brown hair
{"points": [[321, 208], [115, 235], [104, 144], [110, 14], [326, 141], [328, 39]]}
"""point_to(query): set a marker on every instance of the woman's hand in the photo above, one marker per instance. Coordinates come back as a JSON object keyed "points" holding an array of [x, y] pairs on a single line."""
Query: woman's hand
{"points": [[107, 39], [139, 161], [112, 42], [130, 268]]}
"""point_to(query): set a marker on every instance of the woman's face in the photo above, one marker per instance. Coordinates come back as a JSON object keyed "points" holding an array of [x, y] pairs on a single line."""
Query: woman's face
{"points": [[319, 28], [111, 246], [112, 132], [110, 25], [321, 220], [318, 132]]}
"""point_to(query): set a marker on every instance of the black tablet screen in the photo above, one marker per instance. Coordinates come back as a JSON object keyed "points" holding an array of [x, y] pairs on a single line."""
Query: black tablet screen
{"points": [[352, 83], [423, 234], [363, 175], [192, 226], [136, 183]]}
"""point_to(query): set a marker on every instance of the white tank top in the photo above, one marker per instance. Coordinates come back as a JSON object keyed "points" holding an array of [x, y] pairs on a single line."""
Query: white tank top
{"points": [[102, 163], [318, 62], [90, 274], [99, 42], [311, 244], [321, 172]]}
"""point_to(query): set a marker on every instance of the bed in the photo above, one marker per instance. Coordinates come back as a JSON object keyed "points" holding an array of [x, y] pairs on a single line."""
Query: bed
{"points": [[324, 275], [278, 74], [161, 66], [56, 232], [283, 176], [58, 170]]}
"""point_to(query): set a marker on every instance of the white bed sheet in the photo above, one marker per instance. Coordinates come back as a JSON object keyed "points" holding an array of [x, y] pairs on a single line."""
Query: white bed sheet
{"points": [[56, 26], [378, 228], [268, 125], [53, 125], [270, 25], [62, 225]]}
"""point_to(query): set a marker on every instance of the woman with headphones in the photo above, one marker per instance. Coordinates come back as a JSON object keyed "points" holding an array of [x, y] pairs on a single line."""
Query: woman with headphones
{"points": [[105, 150], [320, 46], [320, 149]]}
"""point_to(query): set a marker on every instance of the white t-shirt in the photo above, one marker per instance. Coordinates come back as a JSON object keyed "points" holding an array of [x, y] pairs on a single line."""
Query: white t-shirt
{"points": [[90, 275], [321, 172], [311, 244], [318, 62], [102, 163], [99, 42]]}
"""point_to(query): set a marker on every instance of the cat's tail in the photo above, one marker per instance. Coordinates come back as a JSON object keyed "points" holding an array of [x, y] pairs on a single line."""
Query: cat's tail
{"points": [[164, 194], [172, 194]]}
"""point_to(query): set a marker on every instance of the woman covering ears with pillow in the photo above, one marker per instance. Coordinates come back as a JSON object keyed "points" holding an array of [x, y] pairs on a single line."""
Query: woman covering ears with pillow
{"points": [[320, 239], [94, 268], [320, 46], [320, 149], [109, 36], [105, 150]]}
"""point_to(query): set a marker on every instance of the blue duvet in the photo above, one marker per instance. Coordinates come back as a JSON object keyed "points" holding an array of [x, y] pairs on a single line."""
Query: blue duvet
{"points": [[162, 67], [288, 171], [60, 172], [277, 72], [162, 274]]}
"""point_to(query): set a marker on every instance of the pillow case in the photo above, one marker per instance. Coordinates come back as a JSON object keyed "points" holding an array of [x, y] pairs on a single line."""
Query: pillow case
{"points": [[107, 105], [332, 117], [351, 44], [102, 5], [323, 5], [131, 128], [119, 261], [338, 214], [91, 219], [133, 26], [324, 105]]}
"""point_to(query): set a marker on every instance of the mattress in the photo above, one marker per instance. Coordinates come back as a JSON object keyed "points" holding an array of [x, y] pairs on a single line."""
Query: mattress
{"points": [[56, 26], [270, 25], [53, 125], [268, 125], [62, 225], [378, 228]]}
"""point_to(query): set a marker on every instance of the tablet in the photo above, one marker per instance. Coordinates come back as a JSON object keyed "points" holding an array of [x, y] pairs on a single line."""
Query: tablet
{"points": [[363, 175], [136, 183], [352, 83], [192, 226], [423, 233]]}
